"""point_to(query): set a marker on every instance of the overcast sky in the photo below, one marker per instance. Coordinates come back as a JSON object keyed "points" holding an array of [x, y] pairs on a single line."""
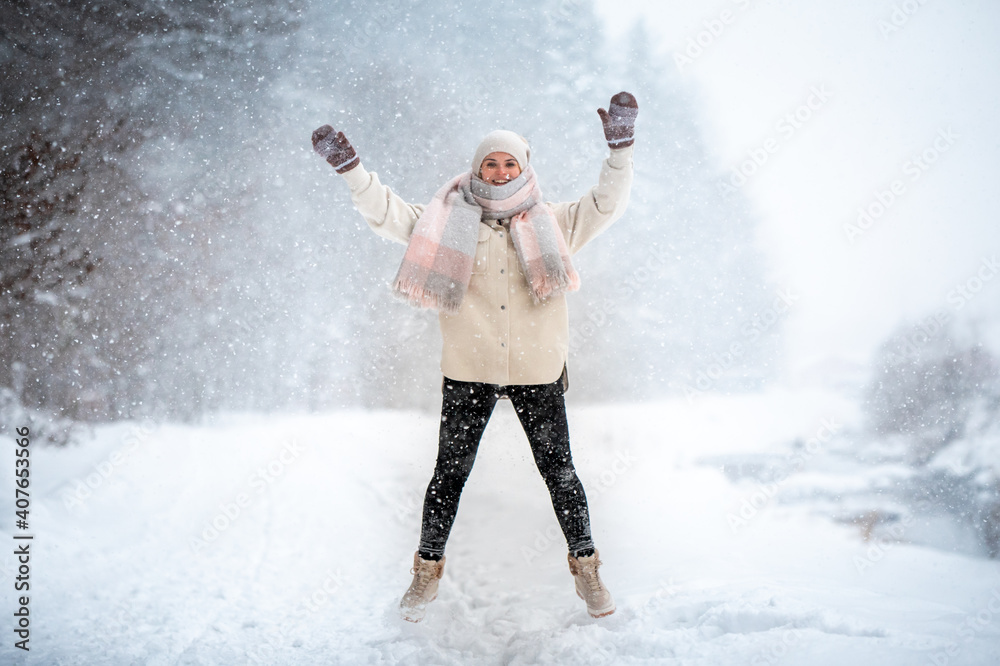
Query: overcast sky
{"points": [[884, 95]]}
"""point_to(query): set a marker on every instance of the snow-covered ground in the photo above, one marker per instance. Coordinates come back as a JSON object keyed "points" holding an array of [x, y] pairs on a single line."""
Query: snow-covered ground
{"points": [[287, 540]]}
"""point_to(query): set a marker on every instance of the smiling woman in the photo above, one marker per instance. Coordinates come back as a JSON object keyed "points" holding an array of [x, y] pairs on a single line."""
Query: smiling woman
{"points": [[504, 326], [499, 168]]}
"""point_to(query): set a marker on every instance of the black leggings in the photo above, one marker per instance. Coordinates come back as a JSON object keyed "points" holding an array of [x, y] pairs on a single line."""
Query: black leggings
{"points": [[465, 410]]}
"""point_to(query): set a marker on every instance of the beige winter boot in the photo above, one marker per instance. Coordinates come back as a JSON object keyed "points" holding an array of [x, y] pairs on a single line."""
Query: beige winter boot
{"points": [[589, 585], [423, 589]]}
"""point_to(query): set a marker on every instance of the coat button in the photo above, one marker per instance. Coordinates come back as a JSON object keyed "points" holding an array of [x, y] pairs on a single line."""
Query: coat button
{"points": [[503, 307]]}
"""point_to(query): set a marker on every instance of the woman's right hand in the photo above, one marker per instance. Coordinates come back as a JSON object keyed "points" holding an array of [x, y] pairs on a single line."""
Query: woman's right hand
{"points": [[334, 147]]}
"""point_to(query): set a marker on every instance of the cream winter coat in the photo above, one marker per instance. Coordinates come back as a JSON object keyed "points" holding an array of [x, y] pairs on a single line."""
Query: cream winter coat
{"points": [[500, 336]]}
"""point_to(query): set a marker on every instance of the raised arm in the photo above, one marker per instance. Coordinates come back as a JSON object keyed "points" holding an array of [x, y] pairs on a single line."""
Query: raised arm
{"points": [[595, 211], [384, 211]]}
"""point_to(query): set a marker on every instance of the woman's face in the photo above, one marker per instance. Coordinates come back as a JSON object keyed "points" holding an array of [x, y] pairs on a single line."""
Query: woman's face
{"points": [[499, 168]]}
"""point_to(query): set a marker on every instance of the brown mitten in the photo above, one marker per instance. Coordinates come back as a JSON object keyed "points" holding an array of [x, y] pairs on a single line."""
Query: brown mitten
{"points": [[619, 120], [334, 147]]}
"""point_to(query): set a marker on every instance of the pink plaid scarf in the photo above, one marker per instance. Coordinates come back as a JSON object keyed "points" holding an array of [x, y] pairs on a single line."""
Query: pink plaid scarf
{"points": [[437, 265]]}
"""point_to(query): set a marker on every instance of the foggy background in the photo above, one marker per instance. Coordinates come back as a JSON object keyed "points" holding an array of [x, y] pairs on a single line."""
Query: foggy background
{"points": [[898, 73], [814, 205], [173, 247]]}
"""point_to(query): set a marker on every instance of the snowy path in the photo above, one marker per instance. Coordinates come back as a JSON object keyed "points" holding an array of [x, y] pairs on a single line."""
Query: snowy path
{"points": [[316, 518]]}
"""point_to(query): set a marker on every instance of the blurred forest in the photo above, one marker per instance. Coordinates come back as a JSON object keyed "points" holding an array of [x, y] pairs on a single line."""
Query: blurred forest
{"points": [[933, 408], [171, 247]]}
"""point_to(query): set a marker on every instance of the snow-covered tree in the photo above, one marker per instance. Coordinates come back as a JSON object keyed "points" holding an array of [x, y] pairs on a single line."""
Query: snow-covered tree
{"points": [[937, 394]]}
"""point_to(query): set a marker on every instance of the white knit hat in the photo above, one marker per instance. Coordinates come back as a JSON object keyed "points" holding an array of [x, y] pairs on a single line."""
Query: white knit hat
{"points": [[502, 141]]}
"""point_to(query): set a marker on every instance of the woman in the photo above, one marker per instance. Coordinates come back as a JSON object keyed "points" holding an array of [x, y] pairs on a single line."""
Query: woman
{"points": [[494, 260]]}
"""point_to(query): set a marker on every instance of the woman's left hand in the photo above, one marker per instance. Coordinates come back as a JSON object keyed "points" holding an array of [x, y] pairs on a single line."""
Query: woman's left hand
{"points": [[619, 120]]}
